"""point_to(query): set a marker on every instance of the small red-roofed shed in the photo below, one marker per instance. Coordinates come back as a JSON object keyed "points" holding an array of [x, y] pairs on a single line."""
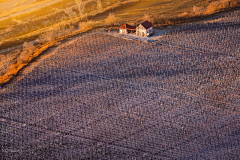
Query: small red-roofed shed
{"points": [[126, 28]]}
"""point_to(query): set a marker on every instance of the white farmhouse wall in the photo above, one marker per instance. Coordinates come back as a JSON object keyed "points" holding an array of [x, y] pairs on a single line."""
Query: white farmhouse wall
{"points": [[123, 31], [141, 31]]}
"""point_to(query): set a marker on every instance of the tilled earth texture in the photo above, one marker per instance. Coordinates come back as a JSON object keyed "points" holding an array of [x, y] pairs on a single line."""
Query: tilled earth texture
{"points": [[103, 97]]}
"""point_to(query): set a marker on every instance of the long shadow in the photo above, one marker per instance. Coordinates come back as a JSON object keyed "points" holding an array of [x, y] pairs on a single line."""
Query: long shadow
{"points": [[59, 83]]}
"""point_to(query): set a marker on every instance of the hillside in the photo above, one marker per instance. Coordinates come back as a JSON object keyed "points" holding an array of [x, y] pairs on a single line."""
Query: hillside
{"points": [[26, 20], [29, 27], [103, 97]]}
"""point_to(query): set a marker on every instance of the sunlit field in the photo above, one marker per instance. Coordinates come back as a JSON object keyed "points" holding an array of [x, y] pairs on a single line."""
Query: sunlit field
{"points": [[24, 19], [98, 96]]}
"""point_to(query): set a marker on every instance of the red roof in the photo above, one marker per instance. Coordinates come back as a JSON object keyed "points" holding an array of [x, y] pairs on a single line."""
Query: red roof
{"points": [[127, 26], [146, 24]]}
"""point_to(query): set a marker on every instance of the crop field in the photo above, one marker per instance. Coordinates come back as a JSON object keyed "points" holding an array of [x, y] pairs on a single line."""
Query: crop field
{"points": [[104, 97], [25, 20], [219, 36]]}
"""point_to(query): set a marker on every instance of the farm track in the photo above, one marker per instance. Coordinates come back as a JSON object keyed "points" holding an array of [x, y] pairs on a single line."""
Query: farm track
{"points": [[102, 97]]}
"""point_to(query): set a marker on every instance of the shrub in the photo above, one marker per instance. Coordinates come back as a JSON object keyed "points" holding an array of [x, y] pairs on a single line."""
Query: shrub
{"points": [[46, 37], [69, 12], [27, 53], [87, 25], [80, 7], [220, 5], [111, 19], [197, 11], [24, 57]]}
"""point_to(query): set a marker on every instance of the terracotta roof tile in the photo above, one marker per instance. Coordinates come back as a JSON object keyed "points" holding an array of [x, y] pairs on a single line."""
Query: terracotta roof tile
{"points": [[127, 26]]}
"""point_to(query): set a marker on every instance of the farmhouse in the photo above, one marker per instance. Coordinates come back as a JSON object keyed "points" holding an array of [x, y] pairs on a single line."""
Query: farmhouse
{"points": [[145, 29], [126, 28]]}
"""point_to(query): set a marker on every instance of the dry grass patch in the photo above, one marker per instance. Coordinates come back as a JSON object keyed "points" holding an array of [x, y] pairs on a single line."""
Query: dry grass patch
{"points": [[88, 25]]}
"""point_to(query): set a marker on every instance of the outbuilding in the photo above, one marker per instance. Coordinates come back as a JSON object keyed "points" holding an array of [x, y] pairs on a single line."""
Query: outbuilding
{"points": [[145, 29], [126, 28]]}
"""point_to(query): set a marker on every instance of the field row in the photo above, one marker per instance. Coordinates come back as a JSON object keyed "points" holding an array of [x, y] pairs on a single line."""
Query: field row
{"points": [[220, 36], [105, 96]]}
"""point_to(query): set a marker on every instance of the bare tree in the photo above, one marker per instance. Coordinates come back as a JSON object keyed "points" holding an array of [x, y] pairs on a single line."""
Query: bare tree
{"points": [[46, 37], [80, 7], [8, 62], [87, 25], [111, 19], [99, 5], [70, 12]]}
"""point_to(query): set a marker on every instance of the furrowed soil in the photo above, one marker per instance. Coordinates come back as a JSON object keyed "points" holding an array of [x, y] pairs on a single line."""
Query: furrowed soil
{"points": [[104, 97], [26, 21]]}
